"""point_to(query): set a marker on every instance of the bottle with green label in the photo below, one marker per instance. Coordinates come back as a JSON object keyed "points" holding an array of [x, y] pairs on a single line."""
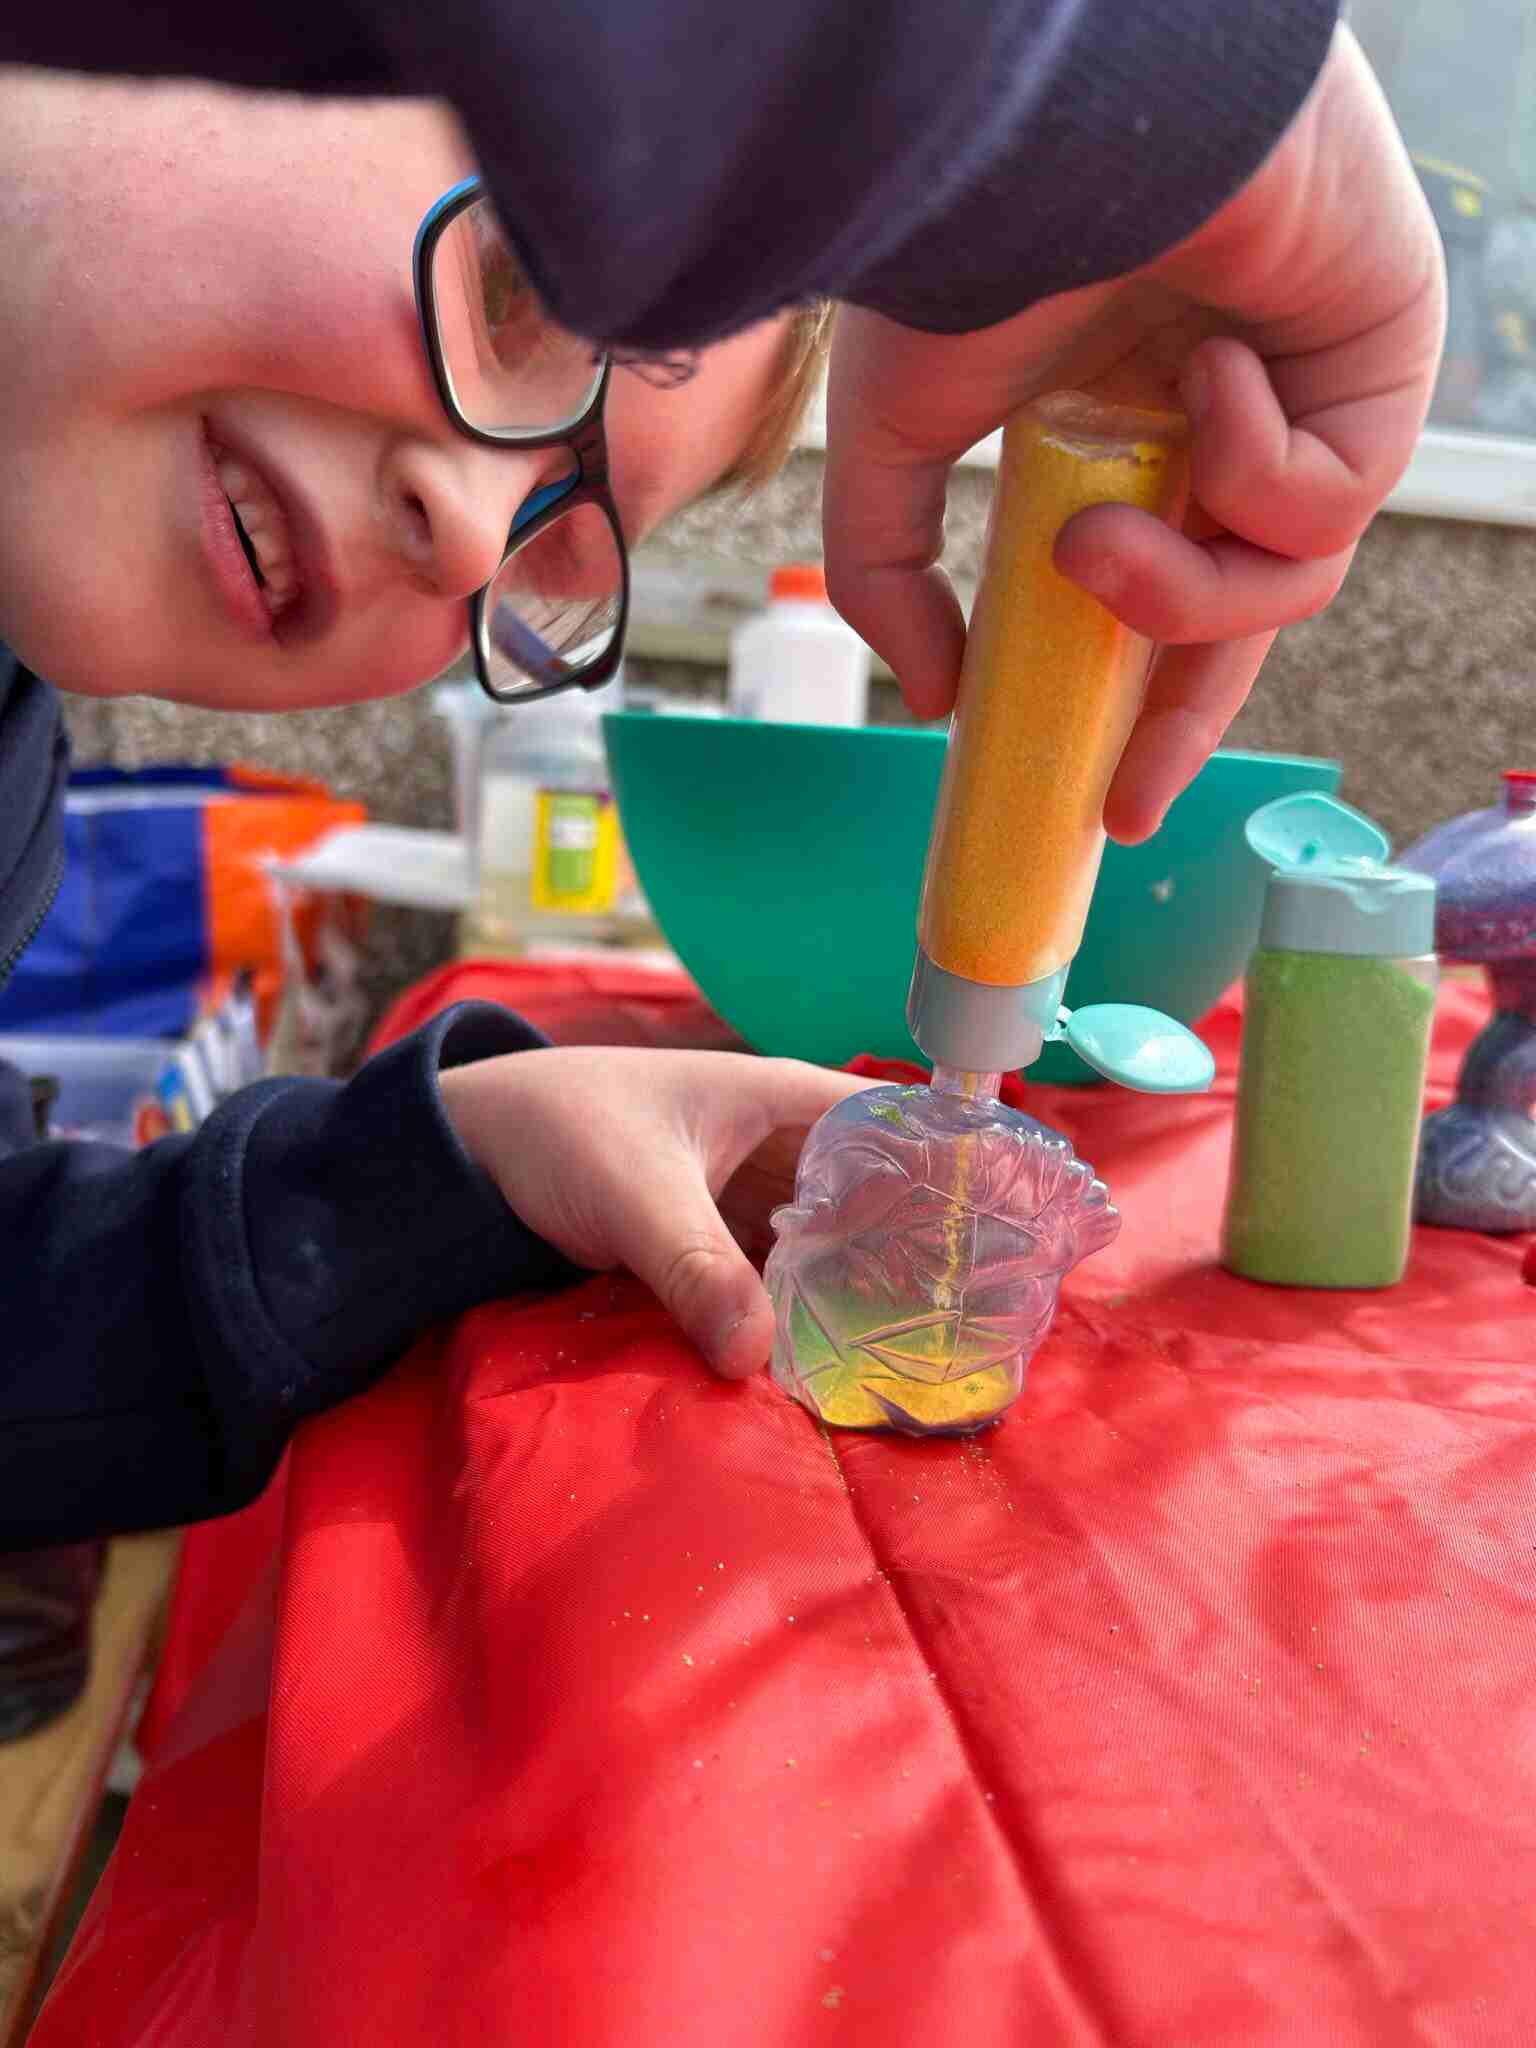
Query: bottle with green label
{"points": [[551, 862], [1340, 1000], [575, 846]]}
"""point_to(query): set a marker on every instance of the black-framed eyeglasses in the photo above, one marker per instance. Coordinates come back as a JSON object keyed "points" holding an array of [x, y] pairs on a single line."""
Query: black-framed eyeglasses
{"points": [[553, 616]]}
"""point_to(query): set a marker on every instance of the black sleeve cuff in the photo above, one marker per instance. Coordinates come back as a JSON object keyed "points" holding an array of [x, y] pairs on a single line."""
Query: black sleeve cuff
{"points": [[328, 1225]]}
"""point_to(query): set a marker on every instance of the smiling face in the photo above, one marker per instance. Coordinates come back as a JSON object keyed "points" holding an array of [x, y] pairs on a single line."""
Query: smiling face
{"points": [[229, 478]]}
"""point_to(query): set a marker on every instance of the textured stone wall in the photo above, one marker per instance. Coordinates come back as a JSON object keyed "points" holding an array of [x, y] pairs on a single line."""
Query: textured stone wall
{"points": [[1419, 678]]}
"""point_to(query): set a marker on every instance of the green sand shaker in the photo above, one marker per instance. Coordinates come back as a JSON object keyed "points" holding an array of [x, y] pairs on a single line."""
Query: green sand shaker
{"points": [[1341, 997]]}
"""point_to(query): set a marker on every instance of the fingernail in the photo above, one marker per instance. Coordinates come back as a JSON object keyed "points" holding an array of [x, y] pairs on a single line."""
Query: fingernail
{"points": [[724, 1344]]}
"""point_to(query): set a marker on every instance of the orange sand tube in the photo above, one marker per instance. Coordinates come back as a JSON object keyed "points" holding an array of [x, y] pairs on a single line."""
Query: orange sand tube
{"points": [[1049, 690]]}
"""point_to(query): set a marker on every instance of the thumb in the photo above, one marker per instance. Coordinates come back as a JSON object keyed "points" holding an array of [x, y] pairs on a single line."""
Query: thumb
{"points": [[670, 1234]]}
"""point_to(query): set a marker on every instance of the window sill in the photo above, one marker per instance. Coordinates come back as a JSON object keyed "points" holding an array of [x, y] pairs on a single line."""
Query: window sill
{"points": [[1452, 475]]}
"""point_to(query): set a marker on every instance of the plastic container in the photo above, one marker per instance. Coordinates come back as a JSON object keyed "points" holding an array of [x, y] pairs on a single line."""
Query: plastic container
{"points": [[550, 861], [918, 1269], [797, 663], [735, 828], [1049, 691], [470, 717], [101, 1081], [1341, 998], [1477, 1162], [1050, 688]]}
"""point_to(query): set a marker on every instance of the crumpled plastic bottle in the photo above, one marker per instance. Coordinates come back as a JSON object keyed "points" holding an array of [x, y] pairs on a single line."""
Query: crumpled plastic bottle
{"points": [[919, 1267]]}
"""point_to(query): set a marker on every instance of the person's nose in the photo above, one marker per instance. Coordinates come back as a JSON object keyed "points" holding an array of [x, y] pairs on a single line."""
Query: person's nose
{"points": [[447, 511]]}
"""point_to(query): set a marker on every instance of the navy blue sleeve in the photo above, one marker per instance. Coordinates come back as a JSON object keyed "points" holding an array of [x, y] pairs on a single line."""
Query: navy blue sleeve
{"points": [[168, 1316], [673, 170]]}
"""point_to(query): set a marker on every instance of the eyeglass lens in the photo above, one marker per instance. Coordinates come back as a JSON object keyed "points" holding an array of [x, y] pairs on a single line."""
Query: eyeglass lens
{"points": [[512, 370], [554, 606]]}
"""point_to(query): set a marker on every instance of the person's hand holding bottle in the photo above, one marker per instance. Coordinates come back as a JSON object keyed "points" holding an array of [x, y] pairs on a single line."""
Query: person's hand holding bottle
{"points": [[1300, 329], [666, 1163]]}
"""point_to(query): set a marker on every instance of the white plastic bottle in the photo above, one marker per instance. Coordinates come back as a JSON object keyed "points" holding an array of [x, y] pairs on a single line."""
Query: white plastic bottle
{"points": [[798, 663]]}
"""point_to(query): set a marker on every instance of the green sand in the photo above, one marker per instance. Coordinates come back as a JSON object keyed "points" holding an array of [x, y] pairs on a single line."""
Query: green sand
{"points": [[1329, 1109], [932, 1383]]}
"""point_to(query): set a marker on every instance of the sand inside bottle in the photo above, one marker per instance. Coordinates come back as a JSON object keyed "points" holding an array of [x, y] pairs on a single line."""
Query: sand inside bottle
{"points": [[940, 1375]]}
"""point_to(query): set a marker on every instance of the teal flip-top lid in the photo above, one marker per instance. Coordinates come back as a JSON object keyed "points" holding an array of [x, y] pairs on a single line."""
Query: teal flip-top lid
{"points": [[1139, 1048], [1332, 890], [971, 1025]]}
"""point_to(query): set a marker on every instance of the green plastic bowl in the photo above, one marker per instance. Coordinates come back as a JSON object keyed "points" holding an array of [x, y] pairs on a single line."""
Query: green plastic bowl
{"points": [[783, 864]]}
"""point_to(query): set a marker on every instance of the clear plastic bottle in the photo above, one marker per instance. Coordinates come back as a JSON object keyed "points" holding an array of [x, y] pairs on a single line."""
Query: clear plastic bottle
{"points": [[1341, 998], [551, 860], [918, 1269], [798, 663], [470, 718]]}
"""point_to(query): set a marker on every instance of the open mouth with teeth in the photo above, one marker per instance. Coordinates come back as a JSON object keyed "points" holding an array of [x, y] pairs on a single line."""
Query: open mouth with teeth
{"points": [[262, 530]]}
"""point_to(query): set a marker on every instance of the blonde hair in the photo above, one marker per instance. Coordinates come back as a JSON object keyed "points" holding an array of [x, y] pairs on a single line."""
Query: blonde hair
{"points": [[807, 339]]}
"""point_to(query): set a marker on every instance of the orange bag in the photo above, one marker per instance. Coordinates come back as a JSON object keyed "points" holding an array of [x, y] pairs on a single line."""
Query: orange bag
{"points": [[591, 1702]]}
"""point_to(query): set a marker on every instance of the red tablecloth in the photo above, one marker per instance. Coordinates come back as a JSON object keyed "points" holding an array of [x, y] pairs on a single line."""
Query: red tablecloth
{"points": [[590, 1702]]}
